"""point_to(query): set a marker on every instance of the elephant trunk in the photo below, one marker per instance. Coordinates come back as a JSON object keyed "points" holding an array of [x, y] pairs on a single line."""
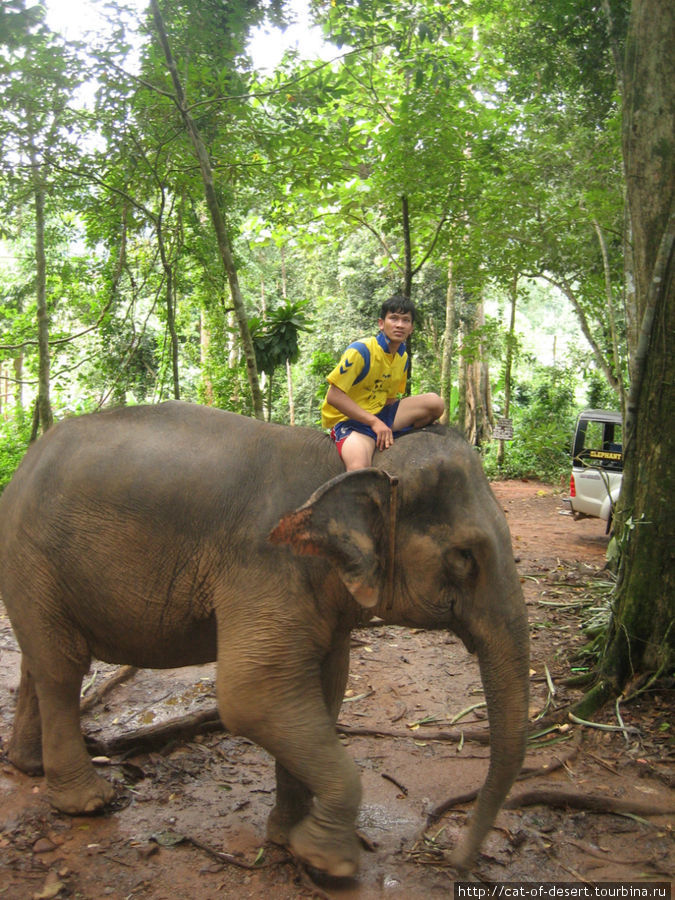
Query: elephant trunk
{"points": [[504, 666]]}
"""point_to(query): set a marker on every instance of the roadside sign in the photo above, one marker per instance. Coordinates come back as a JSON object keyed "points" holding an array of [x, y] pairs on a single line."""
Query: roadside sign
{"points": [[503, 430]]}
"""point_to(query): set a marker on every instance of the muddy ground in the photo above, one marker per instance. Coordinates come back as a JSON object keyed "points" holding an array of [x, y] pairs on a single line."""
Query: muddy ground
{"points": [[409, 702]]}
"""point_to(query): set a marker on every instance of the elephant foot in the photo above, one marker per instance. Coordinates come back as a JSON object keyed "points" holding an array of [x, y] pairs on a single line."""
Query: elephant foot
{"points": [[336, 853], [81, 799], [26, 756], [460, 862], [281, 822]]}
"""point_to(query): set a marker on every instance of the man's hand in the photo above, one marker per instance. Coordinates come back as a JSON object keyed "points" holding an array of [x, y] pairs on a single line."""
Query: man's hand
{"points": [[383, 434]]}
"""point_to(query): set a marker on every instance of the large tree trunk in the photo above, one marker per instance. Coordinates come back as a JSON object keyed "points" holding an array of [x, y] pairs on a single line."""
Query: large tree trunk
{"points": [[217, 217], [642, 635]]}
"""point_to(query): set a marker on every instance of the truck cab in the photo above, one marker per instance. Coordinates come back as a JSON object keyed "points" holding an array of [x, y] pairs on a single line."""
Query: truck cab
{"points": [[597, 464]]}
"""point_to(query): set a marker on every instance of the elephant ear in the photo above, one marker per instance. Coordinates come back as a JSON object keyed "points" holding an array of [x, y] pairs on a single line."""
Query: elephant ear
{"points": [[345, 521]]}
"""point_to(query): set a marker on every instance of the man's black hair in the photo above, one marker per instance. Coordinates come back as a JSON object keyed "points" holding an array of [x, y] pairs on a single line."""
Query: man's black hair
{"points": [[398, 303]]}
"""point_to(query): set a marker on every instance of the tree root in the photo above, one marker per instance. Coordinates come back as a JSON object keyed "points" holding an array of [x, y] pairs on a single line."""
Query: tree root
{"points": [[469, 796], [612, 859], [184, 727], [595, 699], [562, 799], [152, 737], [123, 674], [480, 736]]}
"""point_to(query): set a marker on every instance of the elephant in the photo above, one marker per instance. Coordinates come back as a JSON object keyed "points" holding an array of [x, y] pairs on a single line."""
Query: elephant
{"points": [[178, 534]]}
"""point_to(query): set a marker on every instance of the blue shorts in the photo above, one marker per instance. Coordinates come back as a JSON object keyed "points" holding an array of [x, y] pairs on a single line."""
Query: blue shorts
{"points": [[342, 430]]}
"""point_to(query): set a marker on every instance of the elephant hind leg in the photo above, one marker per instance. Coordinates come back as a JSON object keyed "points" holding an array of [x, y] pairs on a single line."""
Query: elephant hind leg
{"points": [[72, 783], [25, 745]]}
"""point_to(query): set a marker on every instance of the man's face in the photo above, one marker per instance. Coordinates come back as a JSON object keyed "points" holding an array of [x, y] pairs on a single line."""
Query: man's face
{"points": [[396, 326]]}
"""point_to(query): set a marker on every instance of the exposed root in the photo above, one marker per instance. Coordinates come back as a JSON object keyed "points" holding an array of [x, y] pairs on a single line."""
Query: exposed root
{"points": [[469, 796], [185, 727], [611, 858], [480, 736], [562, 799], [123, 674]]}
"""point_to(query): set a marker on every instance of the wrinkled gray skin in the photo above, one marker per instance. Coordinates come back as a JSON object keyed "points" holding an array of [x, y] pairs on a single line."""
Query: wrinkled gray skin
{"points": [[175, 535]]}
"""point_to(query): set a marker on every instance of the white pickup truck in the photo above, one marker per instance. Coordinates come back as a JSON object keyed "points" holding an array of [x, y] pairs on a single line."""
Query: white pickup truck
{"points": [[597, 464]]}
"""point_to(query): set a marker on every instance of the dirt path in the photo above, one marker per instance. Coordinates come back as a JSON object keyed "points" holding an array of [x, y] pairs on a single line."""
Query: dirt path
{"points": [[213, 793]]}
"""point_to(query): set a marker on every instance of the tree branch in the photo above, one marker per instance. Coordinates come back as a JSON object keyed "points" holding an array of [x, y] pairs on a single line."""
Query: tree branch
{"points": [[565, 287]]}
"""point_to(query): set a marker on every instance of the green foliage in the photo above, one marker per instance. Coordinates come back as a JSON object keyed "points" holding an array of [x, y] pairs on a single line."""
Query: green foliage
{"points": [[275, 335], [543, 421], [479, 115], [599, 395], [14, 435]]}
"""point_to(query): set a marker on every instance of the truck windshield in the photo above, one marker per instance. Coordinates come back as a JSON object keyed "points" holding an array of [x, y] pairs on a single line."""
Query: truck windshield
{"points": [[598, 442]]}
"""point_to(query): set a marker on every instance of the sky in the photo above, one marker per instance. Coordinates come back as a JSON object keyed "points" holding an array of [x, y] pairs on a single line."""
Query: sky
{"points": [[74, 18]]}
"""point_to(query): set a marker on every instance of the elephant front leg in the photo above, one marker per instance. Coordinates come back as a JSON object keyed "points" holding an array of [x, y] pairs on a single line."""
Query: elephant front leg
{"points": [[326, 838], [25, 745], [293, 803], [293, 798], [286, 713]]}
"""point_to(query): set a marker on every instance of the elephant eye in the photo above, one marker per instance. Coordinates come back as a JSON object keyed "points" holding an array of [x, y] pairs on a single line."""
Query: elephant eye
{"points": [[460, 563]]}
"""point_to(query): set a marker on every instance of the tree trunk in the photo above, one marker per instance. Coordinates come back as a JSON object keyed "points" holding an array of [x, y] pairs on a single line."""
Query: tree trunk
{"points": [[407, 243], [598, 353], [510, 341], [477, 418], [18, 381], [291, 401], [4, 391], [204, 342], [217, 217], [642, 634], [170, 315], [448, 345], [289, 371], [43, 417], [171, 324], [611, 317]]}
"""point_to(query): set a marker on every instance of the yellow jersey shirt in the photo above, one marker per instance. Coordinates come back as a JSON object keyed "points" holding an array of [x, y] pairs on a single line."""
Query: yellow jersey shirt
{"points": [[369, 374]]}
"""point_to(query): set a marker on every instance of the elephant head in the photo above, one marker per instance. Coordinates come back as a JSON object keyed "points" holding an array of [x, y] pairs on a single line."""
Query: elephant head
{"points": [[425, 544]]}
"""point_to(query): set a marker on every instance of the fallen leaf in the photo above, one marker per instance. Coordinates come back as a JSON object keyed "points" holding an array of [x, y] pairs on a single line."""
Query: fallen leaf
{"points": [[167, 838], [51, 888]]}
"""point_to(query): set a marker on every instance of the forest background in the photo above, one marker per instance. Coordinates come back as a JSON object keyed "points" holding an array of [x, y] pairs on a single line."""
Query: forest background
{"points": [[435, 151], [179, 222]]}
